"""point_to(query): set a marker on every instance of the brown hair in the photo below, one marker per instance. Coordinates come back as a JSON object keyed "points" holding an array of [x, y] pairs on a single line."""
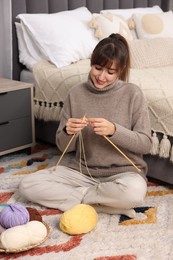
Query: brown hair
{"points": [[110, 49]]}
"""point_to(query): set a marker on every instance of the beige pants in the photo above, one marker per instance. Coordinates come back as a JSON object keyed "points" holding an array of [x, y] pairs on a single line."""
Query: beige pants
{"points": [[65, 188]]}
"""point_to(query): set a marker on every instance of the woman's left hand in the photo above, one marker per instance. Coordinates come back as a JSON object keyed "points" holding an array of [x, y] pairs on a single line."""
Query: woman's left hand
{"points": [[102, 126]]}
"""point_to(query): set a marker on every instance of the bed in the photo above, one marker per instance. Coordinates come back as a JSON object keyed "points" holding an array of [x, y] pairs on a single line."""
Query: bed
{"points": [[44, 74]]}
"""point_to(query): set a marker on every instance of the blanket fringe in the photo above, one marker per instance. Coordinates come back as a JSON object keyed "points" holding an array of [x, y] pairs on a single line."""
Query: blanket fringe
{"points": [[155, 144], [162, 148], [47, 111], [165, 147]]}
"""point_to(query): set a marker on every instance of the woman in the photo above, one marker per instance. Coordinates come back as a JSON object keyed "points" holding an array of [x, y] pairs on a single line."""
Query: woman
{"points": [[105, 107]]}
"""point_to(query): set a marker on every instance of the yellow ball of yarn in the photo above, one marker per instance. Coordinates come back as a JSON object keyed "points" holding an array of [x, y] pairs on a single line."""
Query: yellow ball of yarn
{"points": [[78, 220]]}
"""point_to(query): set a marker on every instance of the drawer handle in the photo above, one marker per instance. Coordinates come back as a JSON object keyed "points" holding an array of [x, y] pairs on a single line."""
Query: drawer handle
{"points": [[4, 123], [4, 93]]}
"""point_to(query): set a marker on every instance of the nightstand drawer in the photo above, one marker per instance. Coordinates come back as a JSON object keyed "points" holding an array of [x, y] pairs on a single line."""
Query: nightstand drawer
{"points": [[15, 133], [15, 104]]}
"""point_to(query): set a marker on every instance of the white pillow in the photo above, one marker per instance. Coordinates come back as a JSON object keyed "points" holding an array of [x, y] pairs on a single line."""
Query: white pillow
{"points": [[154, 25], [127, 13], [62, 37], [105, 24], [27, 57]]}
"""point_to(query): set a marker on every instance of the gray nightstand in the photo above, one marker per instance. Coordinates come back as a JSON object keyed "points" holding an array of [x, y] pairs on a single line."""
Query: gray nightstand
{"points": [[17, 130]]}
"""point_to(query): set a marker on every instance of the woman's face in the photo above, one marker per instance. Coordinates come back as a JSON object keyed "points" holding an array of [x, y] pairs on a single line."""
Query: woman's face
{"points": [[102, 76]]}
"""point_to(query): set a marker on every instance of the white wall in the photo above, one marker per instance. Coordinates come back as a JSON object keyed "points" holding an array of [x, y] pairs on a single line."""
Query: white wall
{"points": [[5, 39]]}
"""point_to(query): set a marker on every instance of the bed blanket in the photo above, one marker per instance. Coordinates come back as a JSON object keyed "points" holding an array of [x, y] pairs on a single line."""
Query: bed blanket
{"points": [[157, 85], [52, 85]]}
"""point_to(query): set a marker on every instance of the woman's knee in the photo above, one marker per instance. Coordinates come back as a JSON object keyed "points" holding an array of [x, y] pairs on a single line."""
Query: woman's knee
{"points": [[137, 190], [134, 188], [28, 186], [23, 188]]}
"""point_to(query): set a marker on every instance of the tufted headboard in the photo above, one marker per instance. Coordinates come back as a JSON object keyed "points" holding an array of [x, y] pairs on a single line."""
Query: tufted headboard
{"points": [[50, 6]]}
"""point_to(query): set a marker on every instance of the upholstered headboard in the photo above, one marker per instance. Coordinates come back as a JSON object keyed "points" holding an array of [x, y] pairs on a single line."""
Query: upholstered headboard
{"points": [[50, 6]]}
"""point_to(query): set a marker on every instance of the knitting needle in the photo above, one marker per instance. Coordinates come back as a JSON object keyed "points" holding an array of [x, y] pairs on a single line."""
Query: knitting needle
{"points": [[64, 151], [122, 153], [66, 147]]}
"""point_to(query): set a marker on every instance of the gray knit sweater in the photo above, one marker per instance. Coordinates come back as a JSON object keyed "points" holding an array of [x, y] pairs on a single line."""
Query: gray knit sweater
{"points": [[121, 103]]}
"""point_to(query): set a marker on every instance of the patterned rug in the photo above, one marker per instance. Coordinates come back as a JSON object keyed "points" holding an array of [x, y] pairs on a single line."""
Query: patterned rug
{"points": [[147, 237]]}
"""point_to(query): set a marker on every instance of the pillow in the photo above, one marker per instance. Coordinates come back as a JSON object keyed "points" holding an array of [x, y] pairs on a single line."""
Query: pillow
{"points": [[154, 25], [147, 53], [127, 13], [105, 24], [27, 57], [62, 37]]}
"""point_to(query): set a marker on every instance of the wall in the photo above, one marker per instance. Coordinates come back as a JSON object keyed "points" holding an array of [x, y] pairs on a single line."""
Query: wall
{"points": [[5, 39], [171, 5]]}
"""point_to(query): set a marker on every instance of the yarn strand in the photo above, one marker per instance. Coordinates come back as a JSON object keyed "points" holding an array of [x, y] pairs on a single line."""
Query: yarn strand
{"points": [[85, 160], [66, 148]]}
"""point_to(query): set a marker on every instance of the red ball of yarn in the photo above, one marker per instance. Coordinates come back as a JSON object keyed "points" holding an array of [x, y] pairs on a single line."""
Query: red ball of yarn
{"points": [[34, 214]]}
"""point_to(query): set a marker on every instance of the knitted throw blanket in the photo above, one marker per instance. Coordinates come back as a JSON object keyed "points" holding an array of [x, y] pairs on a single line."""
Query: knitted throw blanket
{"points": [[156, 84], [52, 85]]}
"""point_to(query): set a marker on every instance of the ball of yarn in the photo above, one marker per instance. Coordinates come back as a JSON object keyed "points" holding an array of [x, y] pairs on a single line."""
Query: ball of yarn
{"points": [[2, 229], [13, 215], [22, 236], [80, 219], [34, 214]]}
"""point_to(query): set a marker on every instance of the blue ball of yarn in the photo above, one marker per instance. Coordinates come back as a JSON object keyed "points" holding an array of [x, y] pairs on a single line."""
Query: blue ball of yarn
{"points": [[13, 215]]}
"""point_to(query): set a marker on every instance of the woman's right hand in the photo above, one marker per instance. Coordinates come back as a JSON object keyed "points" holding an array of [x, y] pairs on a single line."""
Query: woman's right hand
{"points": [[74, 125]]}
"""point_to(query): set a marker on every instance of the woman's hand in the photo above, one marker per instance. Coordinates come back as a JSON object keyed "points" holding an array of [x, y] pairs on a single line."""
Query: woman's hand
{"points": [[102, 126], [74, 125]]}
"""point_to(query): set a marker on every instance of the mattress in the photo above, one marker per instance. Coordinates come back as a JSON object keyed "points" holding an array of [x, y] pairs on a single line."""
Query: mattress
{"points": [[27, 76]]}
